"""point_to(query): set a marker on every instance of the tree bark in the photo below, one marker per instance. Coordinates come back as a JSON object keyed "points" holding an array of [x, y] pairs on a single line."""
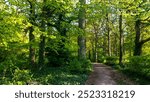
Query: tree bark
{"points": [[31, 36], [81, 37], [104, 45], [42, 39], [41, 51], [108, 35], [96, 45], [138, 44], [95, 41], [121, 40], [31, 48], [115, 45]]}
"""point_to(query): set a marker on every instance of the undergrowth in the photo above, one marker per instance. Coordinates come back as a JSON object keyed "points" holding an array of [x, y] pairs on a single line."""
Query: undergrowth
{"points": [[60, 76], [75, 73]]}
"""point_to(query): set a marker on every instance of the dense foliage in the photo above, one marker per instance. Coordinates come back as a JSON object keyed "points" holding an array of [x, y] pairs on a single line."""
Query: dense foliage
{"points": [[55, 41], [138, 68]]}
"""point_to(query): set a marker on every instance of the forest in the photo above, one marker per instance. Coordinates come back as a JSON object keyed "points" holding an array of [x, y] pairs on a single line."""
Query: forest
{"points": [[55, 42]]}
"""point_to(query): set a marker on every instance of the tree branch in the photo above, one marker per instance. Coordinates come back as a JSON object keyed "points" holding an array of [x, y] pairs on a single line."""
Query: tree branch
{"points": [[146, 40]]}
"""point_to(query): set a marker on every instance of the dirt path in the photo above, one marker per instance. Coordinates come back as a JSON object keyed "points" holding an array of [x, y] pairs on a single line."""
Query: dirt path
{"points": [[105, 75]]}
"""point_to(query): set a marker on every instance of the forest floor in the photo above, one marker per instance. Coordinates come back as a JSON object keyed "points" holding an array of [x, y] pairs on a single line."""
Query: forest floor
{"points": [[106, 75]]}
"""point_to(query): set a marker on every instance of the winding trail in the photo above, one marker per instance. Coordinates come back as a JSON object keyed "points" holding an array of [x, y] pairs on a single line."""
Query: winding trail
{"points": [[105, 75]]}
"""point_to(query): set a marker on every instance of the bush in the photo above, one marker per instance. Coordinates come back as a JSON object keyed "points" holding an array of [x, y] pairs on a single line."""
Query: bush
{"points": [[140, 65], [7, 68], [74, 66], [80, 66], [101, 59], [21, 77], [86, 65], [111, 60]]}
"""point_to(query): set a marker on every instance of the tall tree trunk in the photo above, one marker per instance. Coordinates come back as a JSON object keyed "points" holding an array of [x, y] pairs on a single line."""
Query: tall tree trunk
{"points": [[138, 45], [95, 41], [42, 39], [31, 36], [121, 40], [93, 51], [138, 42], [115, 45], [81, 37], [96, 45], [31, 48], [104, 45], [108, 35], [41, 51]]}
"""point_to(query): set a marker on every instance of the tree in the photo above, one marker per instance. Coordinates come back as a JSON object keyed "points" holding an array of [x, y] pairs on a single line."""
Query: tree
{"points": [[108, 35], [140, 23], [42, 36], [59, 17], [31, 35], [137, 14], [120, 39], [139, 43], [81, 37]]}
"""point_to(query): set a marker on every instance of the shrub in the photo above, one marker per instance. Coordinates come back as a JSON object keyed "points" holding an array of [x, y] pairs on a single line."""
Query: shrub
{"points": [[7, 68], [21, 77], [111, 60], [140, 65], [80, 66], [86, 65], [139, 62], [74, 66], [101, 59]]}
